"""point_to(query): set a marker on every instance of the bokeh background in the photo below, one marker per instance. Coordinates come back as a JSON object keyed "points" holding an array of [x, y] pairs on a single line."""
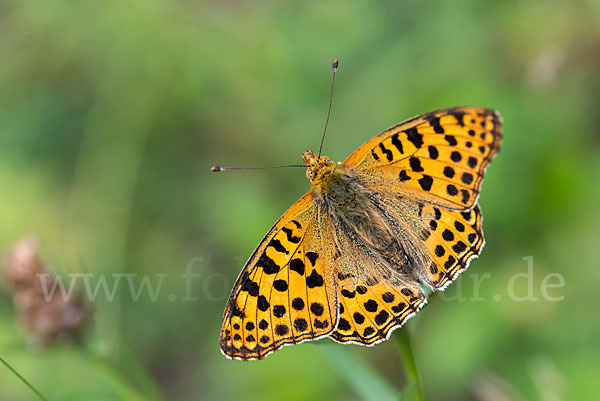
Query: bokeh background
{"points": [[112, 112]]}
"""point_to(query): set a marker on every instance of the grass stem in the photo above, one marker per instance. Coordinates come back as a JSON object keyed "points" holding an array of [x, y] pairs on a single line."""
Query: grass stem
{"points": [[35, 390], [403, 339]]}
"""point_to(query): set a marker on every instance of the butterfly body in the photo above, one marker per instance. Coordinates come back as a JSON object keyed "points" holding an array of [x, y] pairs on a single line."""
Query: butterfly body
{"points": [[353, 211], [350, 259]]}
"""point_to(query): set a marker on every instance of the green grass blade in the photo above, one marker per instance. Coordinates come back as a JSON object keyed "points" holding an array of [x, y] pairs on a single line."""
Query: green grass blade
{"points": [[365, 381]]}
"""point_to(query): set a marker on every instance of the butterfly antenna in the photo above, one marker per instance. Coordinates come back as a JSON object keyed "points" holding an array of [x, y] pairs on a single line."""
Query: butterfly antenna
{"points": [[216, 169], [334, 67]]}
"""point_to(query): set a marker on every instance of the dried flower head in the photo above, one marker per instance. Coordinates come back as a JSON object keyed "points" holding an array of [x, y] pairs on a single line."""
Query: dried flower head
{"points": [[51, 317], [22, 265]]}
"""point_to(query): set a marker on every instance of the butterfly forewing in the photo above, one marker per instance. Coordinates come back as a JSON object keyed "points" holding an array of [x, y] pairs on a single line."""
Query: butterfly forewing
{"points": [[439, 157], [285, 293]]}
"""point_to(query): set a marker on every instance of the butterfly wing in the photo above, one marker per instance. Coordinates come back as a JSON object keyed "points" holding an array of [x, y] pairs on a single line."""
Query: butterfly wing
{"points": [[454, 238], [377, 288], [286, 292], [438, 158], [434, 163], [379, 273], [372, 309]]}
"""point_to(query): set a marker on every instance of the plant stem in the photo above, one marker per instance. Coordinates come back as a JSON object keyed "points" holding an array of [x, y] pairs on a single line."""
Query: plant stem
{"points": [[412, 372], [35, 390]]}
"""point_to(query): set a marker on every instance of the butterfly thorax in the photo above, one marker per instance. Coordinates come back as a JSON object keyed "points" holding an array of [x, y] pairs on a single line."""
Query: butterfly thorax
{"points": [[352, 212], [330, 181]]}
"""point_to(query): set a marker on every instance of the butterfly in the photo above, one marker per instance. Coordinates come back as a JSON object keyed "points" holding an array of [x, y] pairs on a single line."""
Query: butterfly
{"points": [[350, 259]]}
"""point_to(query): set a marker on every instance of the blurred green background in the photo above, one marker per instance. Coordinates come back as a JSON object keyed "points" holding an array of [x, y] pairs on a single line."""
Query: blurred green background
{"points": [[112, 112]]}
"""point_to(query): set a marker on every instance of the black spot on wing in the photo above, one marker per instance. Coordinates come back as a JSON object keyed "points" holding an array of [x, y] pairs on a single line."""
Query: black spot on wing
{"points": [[235, 311], [269, 266], [472, 162], [448, 171], [447, 235], [413, 135], [460, 117], [435, 124], [371, 305], [433, 152], [381, 317], [251, 287], [368, 331], [388, 153], [279, 310], [459, 247], [316, 308], [388, 297], [455, 156], [276, 244], [314, 280], [297, 265], [281, 330], [321, 324], [300, 324], [344, 325], [290, 237], [263, 304], [451, 140], [415, 164], [280, 285], [451, 189], [397, 143], [465, 196], [358, 318], [298, 303], [312, 256], [426, 182]]}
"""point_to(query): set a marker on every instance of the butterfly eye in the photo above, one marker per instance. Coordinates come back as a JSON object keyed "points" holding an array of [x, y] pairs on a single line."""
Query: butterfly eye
{"points": [[310, 174]]}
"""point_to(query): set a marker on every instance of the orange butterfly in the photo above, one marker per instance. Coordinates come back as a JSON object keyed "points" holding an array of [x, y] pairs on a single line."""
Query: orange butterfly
{"points": [[348, 259]]}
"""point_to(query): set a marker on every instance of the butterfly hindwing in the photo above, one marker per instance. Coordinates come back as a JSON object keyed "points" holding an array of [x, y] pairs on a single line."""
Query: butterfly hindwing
{"points": [[378, 289], [284, 294], [454, 239], [438, 157], [369, 313]]}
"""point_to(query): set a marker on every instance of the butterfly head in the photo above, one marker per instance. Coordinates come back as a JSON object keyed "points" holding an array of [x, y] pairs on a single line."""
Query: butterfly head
{"points": [[316, 165]]}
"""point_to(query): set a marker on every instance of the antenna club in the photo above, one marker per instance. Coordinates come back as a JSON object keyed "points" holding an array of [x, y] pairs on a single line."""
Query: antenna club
{"points": [[216, 169], [335, 63]]}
